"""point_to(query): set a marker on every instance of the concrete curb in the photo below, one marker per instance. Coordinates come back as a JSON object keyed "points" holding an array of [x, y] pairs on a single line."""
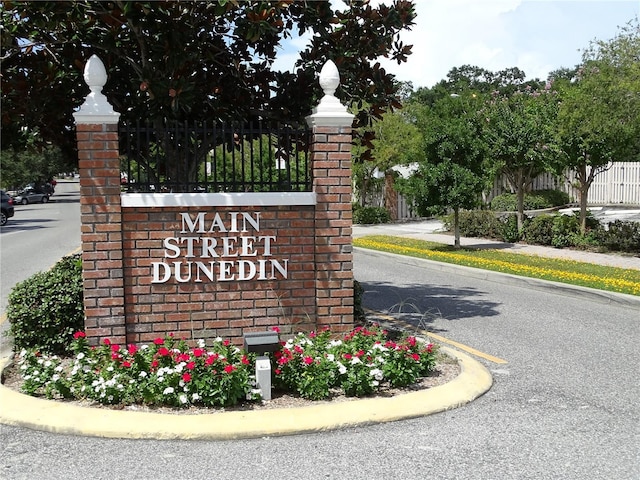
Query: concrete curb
{"points": [[601, 296], [60, 417]]}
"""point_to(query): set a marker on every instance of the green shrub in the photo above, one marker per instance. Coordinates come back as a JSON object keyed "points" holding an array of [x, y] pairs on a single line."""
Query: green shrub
{"points": [[475, 223], [508, 231], [539, 230], [565, 228], [370, 215], [47, 308], [507, 202], [621, 236]]}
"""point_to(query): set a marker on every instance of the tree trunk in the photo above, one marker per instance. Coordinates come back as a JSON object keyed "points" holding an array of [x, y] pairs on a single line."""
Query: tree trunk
{"points": [[520, 198], [390, 195], [456, 228]]}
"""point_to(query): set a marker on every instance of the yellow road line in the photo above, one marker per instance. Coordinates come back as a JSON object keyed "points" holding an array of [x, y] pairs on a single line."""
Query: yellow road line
{"points": [[441, 339]]}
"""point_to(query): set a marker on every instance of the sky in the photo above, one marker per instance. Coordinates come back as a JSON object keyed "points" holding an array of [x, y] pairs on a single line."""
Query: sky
{"points": [[537, 36]]}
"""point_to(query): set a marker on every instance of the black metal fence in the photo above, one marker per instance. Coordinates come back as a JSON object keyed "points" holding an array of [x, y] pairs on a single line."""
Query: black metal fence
{"points": [[211, 157]]}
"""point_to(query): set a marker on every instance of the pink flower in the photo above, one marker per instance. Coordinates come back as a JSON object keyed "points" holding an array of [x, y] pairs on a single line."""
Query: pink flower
{"points": [[312, 335], [115, 348], [348, 356], [126, 364], [191, 365], [78, 335], [186, 377], [307, 360], [163, 352], [226, 343], [198, 352], [229, 368], [430, 348], [183, 357], [132, 349], [415, 356], [154, 364], [276, 329], [159, 341], [298, 349], [245, 360], [106, 341]]}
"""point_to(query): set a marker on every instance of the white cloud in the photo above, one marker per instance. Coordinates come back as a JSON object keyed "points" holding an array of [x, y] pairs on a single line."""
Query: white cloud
{"points": [[537, 36]]}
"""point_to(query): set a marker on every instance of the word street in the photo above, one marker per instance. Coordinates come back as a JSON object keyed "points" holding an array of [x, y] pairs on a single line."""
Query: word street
{"points": [[222, 249]]}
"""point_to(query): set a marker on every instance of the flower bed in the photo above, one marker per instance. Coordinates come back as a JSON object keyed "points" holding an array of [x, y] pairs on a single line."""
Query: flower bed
{"points": [[168, 373]]}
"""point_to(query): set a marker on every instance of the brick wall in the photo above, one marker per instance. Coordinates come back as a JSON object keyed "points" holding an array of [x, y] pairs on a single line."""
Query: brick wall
{"points": [[208, 309]]}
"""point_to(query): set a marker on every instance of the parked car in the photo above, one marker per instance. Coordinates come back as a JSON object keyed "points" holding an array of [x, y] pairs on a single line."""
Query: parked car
{"points": [[7, 207], [31, 195]]}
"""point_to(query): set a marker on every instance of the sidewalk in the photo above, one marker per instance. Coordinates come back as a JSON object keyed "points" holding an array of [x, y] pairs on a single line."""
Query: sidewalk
{"points": [[431, 230]]}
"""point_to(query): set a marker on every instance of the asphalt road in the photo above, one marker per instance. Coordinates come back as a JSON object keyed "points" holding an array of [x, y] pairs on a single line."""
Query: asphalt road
{"points": [[564, 406]]}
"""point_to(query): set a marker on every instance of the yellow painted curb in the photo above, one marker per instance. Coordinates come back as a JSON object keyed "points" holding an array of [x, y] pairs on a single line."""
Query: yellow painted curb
{"points": [[54, 416]]}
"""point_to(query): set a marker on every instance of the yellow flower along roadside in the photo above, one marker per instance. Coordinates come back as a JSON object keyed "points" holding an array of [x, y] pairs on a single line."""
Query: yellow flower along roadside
{"points": [[567, 271]]}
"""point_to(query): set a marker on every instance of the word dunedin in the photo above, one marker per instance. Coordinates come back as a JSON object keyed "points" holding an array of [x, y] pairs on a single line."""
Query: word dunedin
{"points": [[222, 251]]}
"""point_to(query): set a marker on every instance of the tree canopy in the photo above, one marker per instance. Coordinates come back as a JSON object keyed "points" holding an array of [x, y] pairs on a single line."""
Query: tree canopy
{"points": [[191, 59]]}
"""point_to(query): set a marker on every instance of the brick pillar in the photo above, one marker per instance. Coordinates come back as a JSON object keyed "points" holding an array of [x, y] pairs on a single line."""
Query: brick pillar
{"points": [[331, 164], [99, 166]]}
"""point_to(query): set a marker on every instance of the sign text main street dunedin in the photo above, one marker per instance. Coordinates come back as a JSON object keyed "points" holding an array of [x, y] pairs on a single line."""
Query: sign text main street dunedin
{"points": [[233, 254]]}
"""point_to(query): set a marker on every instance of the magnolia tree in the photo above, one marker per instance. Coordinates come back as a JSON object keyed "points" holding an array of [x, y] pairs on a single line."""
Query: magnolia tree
{"points": [[192, 59]]}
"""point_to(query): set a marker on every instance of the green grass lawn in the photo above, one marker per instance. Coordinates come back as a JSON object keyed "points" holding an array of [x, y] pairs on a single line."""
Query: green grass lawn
{"points": [[613, 279]]}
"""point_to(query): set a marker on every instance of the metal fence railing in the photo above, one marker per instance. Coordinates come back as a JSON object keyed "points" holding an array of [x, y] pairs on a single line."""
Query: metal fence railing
{"points": [[212, 157]]}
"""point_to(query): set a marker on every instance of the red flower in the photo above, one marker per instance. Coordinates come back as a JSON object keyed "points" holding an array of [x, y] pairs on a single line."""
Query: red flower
{"points": [[186, 377], [183, 357], [78, 335], [276, 329], [298, 349], [132, 349], [229, 368], [278, 371], [348, 356], [312, 335], [115, 348], [159, 341], [115, 356], [226, 343], [163, 351], [211, 358], [412, 341], [191, 365], [154, 364], [126, 364], [360, 353], [308, 360], [198, 352], [106, 341], [415, 356], [245, 360], [430, 348]]}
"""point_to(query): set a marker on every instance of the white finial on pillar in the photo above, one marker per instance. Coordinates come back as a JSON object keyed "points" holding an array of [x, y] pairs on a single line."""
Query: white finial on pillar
{"points": [[96, 108], [329, 106]]}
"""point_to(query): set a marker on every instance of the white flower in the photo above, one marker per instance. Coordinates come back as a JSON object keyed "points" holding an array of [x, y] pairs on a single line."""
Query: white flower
{"points": [[377, 374], [40, 361], [23, 367], [335, 343], [144, 347], [355, 361], [183, 398], [201, 343], [48, 363], [36, 373], [110, 368], [142, 374], [55, 378], [168, 391], [341, 368], [180, 367], [80, 356], [23, 352], [58, 368], [331, 357], [195, 397], [218, 339]]}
